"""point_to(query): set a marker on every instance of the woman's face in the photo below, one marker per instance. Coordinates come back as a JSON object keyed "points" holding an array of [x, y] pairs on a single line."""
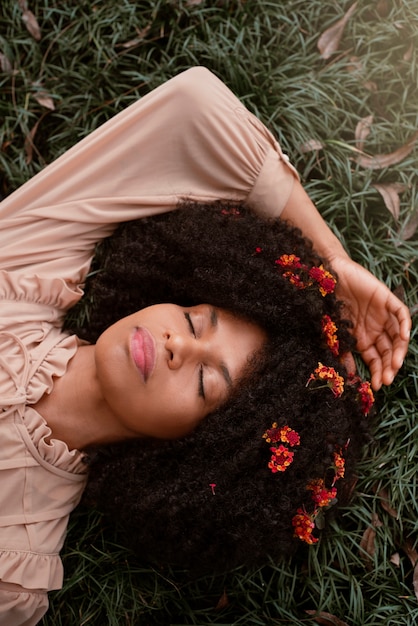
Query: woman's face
{"points": [[164, 368]]}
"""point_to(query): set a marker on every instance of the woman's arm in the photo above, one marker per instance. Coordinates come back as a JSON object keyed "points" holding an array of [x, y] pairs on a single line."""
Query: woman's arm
{"points": [[381, 322]]}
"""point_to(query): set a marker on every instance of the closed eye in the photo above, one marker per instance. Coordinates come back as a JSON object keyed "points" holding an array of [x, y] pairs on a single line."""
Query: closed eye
{"points": [[201, 390], [190, 323]]}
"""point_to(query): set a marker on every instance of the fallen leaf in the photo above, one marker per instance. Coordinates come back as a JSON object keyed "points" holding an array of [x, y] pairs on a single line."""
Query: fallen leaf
{"points": [[223, 602], [5, 65], [408, 54], [31, 24], [370, 85], [29, 145], [42, 97], [413, 557], [409, 229], [367, 543], [379, 161], [383, 8], [330, 39], [326, 618], [311, 145], [390, 194], [395, 559], [383, 494], [363, 130]]}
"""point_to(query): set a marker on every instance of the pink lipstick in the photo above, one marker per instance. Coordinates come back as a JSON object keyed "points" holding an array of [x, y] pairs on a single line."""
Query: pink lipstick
{"points": [[143, 351]]}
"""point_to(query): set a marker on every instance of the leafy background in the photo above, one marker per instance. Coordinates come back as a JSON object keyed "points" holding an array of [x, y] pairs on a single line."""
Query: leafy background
{"points": [[337, 82]]}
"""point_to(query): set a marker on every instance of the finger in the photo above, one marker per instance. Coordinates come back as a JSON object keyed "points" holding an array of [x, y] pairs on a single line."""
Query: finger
{"points": [[374, 362]]}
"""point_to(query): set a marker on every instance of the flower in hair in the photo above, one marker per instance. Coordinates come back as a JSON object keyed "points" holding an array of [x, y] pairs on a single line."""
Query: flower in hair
{"points": [[366, 397], [301, 276], [330, 377], [281, 456], [329, 330], [325, 279], [304, 525], [320, 494]]}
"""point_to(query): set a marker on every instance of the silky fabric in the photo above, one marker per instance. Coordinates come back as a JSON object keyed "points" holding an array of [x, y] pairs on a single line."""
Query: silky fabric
{"points": [[190, 138]]}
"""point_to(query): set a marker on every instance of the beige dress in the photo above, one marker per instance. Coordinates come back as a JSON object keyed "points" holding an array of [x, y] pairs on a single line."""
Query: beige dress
{"points": [[189, 138]]}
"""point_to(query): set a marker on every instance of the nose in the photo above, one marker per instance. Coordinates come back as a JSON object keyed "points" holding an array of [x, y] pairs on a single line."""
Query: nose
{"points": [[182, 348]]}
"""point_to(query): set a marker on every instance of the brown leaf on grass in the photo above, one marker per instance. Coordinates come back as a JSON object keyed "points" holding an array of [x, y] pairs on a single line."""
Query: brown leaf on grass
{"points": [[330, 39], [383, 7], [31, 24], [5, 65], [370, 85], [383, 494], [395, 559], [390, 194], [367, 543], [223, 602], [363, 130], [327, 619], [42, 97], [412, 554], [410, 227], [408, 54], [379, 161], [29, 145], [312, 145]]}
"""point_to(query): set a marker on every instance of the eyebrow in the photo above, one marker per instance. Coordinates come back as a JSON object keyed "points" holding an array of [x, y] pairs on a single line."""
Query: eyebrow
{"points": [[224, 369]]}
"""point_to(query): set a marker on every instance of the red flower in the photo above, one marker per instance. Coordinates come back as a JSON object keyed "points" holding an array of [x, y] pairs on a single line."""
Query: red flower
{"points": [[320, 494], [289, 260], [366, 397], [339, 466], [331, 378], [329, 329], [324, 278], [280, 460], [304, 526]]}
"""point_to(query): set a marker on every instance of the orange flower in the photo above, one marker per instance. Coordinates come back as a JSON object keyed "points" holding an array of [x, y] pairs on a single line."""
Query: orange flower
{"points": [[280, 460], [331, 378], [289, 260], [320, 494], [330, 332], [339, 466], [366, 397], [324, 278], [304, 525]]}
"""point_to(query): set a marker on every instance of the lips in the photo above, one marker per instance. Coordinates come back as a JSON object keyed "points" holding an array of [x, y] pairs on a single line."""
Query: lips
{"points": [[143, 352]]}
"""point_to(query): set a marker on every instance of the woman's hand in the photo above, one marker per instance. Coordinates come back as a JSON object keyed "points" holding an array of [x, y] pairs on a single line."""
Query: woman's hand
{"points": [[381, 323]]}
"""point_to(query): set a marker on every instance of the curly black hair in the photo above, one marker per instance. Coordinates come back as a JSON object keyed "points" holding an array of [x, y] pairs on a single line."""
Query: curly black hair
{"points": [[208, 501]]}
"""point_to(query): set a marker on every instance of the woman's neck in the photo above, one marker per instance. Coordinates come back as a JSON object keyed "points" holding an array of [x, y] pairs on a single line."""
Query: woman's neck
{"points": [[75, 410]]}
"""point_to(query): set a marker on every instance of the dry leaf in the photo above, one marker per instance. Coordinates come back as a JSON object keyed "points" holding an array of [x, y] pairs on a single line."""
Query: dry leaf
{"points": [[370, 85], [5, 65], [42, 97], [31, 24], [412, 554], [383, 8], [367, 543], [223, 602], [395, 559], [311, 145], [330, 39], [326, 618], [390, 194], [408, 54], [363, 130], [378, 161], [410, 228], [384, 501], [29, 145]]}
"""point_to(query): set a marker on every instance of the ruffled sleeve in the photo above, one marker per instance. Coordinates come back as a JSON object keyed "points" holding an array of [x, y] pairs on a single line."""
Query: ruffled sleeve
{"points": [[21, 607], [190, 137]]}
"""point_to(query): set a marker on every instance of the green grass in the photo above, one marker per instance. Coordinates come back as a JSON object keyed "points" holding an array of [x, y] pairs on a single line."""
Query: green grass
{"points": [[266, 51]]}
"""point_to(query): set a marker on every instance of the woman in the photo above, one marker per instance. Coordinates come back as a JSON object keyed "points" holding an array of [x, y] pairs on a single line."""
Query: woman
{"points": [[189, 138]]}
